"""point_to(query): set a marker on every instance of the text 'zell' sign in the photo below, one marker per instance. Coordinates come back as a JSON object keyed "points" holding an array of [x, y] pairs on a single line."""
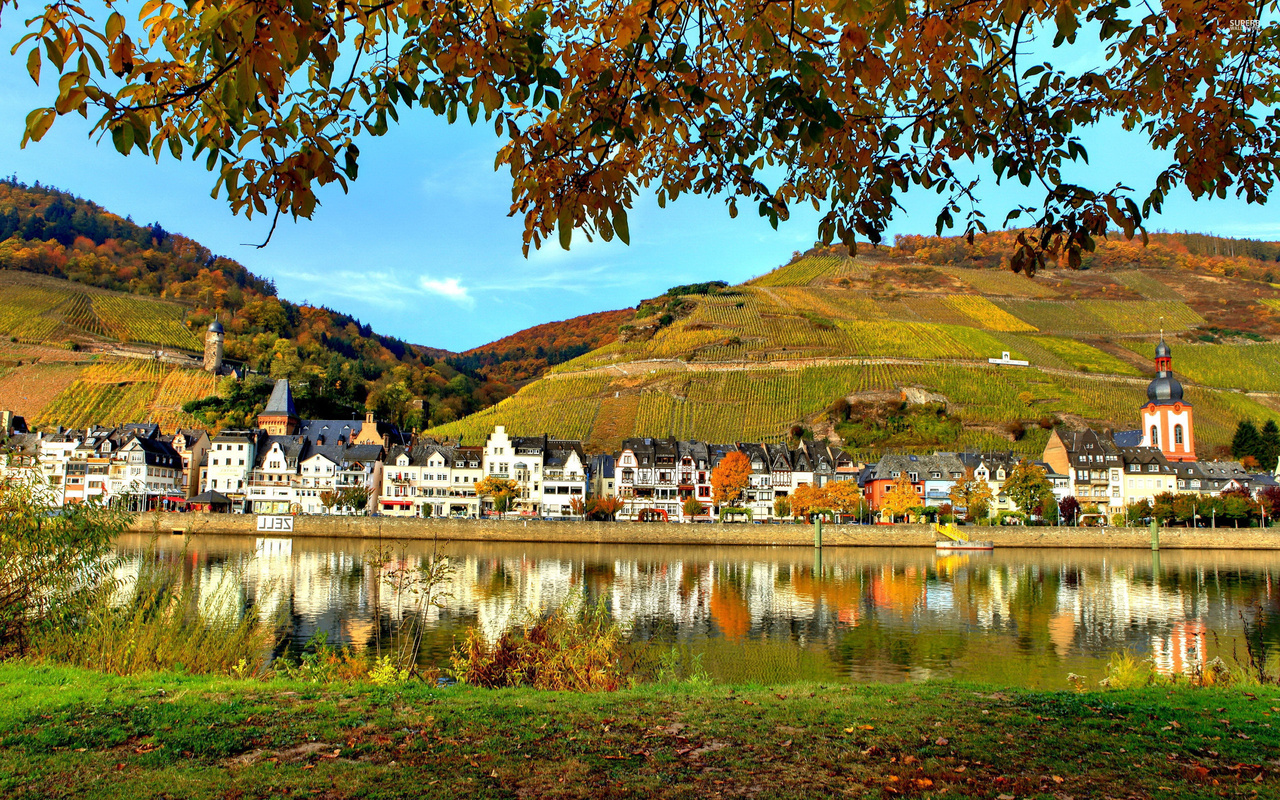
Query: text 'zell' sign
{"points": [[277, 524]]}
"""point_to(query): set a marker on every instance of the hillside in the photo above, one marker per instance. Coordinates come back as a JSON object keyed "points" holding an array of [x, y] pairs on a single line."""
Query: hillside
{"points": [[529, 353], [77, 281], [826, 345]]}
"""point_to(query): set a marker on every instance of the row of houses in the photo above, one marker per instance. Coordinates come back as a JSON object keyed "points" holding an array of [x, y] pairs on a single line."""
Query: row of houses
{"points": [[290, 465]]}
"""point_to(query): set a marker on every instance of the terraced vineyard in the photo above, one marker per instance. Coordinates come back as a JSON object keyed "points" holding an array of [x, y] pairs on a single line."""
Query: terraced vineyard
{"points": [[36, 309], [777, 351], [1104, 317], [129, 320], [801, 272], [1251, 367], [761, 404], [1001, 282], [987, 314], [120, 392]]}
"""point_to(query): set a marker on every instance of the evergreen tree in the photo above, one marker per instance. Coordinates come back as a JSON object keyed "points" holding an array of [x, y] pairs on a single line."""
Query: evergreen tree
{"points": [[1246, 441], [1270, 445]]}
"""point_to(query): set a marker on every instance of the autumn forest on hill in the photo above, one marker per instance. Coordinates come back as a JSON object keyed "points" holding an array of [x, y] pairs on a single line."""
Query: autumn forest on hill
{"points": [[338, 365]]}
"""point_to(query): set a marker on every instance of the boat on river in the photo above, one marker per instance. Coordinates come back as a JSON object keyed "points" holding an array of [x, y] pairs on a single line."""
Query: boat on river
{"points": [[954, 541], [965, 545]]}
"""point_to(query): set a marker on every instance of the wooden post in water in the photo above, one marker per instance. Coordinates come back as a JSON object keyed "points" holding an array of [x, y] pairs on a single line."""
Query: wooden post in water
{"points": [[817, 549], [1155, 536]]}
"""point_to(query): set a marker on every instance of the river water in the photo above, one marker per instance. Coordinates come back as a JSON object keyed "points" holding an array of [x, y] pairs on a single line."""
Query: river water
{"points": [[1022, 617]]}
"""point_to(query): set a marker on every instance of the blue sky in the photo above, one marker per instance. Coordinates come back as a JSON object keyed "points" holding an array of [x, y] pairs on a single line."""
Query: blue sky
{"points": [[422, 248]]}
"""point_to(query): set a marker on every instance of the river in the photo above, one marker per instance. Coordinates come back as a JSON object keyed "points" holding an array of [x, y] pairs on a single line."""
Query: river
{"points": [[1022, 617]]}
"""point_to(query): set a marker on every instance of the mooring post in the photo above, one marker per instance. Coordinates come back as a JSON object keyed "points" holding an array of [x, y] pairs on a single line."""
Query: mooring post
{"points": [[1155, 536], [817, 532]]}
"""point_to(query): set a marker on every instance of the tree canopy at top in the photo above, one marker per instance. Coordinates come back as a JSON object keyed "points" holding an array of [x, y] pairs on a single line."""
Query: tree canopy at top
{"points": [[842, 104]]}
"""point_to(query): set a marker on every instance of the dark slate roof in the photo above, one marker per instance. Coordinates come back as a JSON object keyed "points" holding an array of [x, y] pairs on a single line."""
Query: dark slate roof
{"points": [[281, 402], [1263, 480], [1147, 456], [1127, 438], [216, 327], [334, 452], [601, 466], [558, 452], [237, 434], [143, 430], [23, 444], [328, 430], [158, 453], [1165, 390], [363, 452]]}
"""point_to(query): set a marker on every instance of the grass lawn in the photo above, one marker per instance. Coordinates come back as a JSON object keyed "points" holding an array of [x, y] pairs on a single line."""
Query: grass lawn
{"points": [[72, 733]]}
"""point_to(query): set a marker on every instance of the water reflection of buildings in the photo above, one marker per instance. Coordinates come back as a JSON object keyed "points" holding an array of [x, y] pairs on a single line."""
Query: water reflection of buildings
{"points": [[1034, 604]]}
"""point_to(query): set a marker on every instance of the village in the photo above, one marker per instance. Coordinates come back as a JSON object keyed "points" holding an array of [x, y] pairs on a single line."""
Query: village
{"points": [[290, 465]]}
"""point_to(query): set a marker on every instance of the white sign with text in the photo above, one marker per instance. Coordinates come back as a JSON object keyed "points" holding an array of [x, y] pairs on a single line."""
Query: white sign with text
{"points": [[275, 524]]}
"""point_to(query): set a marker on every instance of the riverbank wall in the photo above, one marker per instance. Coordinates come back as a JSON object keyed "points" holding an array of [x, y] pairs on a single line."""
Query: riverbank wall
{"points": [[631, 533]]}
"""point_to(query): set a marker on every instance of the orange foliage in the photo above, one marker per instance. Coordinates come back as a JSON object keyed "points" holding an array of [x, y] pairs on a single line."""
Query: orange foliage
{"points": [[730, 477]]}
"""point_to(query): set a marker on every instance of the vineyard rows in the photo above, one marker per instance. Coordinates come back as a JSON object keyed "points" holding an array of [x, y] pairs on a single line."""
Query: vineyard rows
{"points": [[761, 405], [1001, 282], [133, 320], [800, 272], [37, 313], [831, 303], [1103, 316], [1148, 286], [564, 408], [1252, 367], [25, 312], [927, 309], [121, 392], [987, 314], [1084, 357]]}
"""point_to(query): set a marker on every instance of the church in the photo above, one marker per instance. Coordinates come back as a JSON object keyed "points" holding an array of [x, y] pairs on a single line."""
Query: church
{"points": [[1166, 418], [1112, 470]]}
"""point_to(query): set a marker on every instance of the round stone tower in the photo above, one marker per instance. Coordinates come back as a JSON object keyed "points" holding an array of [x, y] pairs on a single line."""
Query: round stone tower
{"points": [[213, 340]]}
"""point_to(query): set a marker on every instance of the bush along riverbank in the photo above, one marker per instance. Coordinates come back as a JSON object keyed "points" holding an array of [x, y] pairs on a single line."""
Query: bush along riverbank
{"points": [[72, 732]]}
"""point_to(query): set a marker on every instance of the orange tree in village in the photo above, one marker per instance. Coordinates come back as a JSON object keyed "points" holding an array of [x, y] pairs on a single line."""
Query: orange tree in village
{"points": [[729, 478], [900, 499], [840, 105]]}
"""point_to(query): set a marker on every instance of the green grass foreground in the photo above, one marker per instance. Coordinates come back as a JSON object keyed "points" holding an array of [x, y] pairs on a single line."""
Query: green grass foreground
{"points": [[73, 733]]}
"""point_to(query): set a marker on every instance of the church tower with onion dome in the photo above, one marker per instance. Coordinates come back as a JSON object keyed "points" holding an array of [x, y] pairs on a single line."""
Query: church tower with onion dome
{"points": [[1166, 418]]}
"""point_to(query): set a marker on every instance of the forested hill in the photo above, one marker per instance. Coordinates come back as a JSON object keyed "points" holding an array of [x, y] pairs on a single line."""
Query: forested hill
{"points": [[339, 365], [527, 354]]}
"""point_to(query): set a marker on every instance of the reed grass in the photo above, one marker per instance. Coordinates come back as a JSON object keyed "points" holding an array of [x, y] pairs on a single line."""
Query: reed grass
{"points": [[157, 621]]}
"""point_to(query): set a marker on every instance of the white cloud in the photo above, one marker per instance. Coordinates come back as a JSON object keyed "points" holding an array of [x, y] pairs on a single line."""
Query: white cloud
{"points": [[448, 288]]}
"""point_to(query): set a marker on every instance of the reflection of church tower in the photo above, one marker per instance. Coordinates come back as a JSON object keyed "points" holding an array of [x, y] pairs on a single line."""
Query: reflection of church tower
{"points": [[279, 418], [213, 339], [1166, 418]]}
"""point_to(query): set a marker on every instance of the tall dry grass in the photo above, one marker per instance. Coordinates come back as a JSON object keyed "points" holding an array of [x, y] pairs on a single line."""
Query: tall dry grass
{"points": [[159, 621]]}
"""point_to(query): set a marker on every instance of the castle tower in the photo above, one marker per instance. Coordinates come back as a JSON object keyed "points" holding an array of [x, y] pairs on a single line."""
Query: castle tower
{"points": [[1166, 418], [213, 341], [279, 418]]}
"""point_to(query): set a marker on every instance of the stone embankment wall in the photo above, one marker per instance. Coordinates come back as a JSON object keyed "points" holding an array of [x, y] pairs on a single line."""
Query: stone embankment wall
{"points": [[702, 534]]}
